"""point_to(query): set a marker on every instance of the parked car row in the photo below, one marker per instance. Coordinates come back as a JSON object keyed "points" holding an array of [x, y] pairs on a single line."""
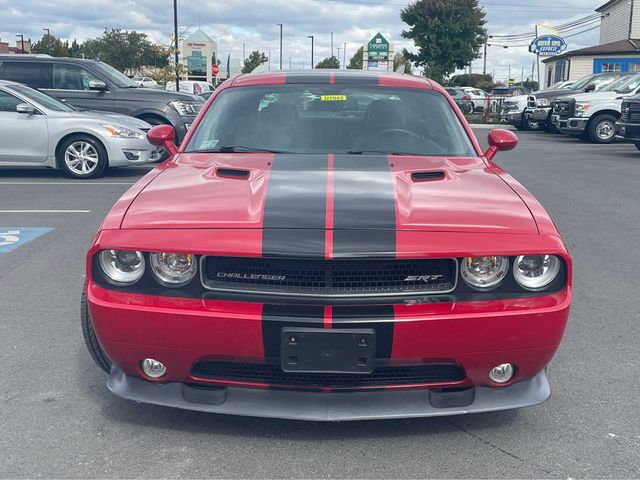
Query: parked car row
{"points": [[53, 113], [599, 108]]}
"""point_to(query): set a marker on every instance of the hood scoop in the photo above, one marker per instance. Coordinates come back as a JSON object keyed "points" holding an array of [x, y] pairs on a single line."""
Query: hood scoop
{"points": [[427, 176], [232, 173]]}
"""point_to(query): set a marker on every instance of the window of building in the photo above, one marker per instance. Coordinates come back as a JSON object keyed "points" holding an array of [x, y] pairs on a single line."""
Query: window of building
{"points": [[634, 67], [611, 67]]}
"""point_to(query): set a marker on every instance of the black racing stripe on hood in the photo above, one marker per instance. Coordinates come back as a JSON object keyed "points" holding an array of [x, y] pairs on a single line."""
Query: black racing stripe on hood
{"points": [[276, 317], [295, 206], [380, 318], [364, 206]]}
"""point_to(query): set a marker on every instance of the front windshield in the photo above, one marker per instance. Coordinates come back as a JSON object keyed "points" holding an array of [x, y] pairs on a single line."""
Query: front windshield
{"points": [[617, 83], [331, 119], [43, 99], [629, 85], [116, 76], [580, 84]]}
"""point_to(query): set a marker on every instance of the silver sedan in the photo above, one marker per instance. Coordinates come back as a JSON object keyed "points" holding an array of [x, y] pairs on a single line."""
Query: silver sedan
{"points": [[39, 130]]}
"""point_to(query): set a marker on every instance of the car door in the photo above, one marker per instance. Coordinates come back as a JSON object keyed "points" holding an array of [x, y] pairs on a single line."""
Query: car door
{"points": [[71, 84], [24, 138]]}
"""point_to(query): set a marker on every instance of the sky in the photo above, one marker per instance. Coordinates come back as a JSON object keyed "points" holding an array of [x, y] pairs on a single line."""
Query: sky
{"points": [[233, 23]]}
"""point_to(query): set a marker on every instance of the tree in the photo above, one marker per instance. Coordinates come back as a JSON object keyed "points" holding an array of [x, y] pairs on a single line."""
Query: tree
{"points": [[51, 45], [254, 59], [400, 61], [122, 49], [449, 34], [329, 62], [356, 61]]}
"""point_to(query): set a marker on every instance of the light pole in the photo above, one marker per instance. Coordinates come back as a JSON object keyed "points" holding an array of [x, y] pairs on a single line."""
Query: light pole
{"points": [[175, 34], [48, 40], [244, 56], [21, 42], [311, 37], [280, 46], [338, 55], [344, 56], [331, 44]]}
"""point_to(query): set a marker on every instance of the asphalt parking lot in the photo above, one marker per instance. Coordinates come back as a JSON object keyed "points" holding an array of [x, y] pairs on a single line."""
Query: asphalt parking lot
{"points": [[58, 420]]}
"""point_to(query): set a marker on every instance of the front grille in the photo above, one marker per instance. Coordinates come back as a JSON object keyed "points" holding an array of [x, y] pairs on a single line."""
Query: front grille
{"points": [[337, 277], [531, 101], [630, 112], [564, 108], [382, 376]]}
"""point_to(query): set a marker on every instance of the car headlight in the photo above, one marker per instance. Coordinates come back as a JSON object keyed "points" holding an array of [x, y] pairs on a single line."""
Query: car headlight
{"points": [[173, 269], [186, 109], [122, 132], [122, 267], [582, 107], [484, 273], [535, 272], [544, 102]]}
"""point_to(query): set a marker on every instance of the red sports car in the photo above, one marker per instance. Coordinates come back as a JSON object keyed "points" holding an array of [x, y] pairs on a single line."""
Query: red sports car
{"points": [[328, 245]]}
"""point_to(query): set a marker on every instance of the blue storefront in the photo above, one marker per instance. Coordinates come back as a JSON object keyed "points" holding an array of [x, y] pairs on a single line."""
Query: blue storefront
{"points": [[619, 65]]}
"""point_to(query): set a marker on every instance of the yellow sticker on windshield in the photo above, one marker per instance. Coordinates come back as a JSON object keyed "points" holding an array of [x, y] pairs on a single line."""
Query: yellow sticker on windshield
{"points": [[333, 98]]}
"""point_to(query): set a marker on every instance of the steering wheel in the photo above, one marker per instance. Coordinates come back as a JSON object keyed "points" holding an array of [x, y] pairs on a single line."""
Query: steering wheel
{"points": [[391, 131]]}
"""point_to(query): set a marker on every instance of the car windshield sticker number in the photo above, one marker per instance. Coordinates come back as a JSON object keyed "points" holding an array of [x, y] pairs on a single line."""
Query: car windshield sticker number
{"points": [[333, 98], [209, 144], [15, 237]]}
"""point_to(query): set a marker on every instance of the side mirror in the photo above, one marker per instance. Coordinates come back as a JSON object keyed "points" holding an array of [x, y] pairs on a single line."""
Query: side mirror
{"points": [[590, 88], [163, 136], [500, 141], [97, 85], [25, 108]]}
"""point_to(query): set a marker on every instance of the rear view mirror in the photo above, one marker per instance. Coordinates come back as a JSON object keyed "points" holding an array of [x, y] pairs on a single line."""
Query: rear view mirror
{"points": [[500, 141], [590, 88], [163, 136], [25, 108], [97, 85]]}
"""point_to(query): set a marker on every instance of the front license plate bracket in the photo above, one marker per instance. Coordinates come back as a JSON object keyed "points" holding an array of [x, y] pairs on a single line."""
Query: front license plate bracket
{"points": [[315, 350]]}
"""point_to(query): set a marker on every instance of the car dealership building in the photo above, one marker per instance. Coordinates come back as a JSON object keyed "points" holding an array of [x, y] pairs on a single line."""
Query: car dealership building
{"points": [[617, 51]]}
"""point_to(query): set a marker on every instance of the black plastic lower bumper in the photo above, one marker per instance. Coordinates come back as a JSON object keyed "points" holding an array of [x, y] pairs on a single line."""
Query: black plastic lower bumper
{"points": [[335, 406]]}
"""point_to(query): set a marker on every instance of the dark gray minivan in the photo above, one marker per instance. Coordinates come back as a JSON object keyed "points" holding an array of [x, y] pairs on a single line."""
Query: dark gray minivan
{"points": [[93, 85]]}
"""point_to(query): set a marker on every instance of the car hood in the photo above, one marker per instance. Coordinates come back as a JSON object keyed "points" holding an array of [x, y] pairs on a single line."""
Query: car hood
{"points": [[596, 96], [116, 119], [551, 94], [338, 192]]}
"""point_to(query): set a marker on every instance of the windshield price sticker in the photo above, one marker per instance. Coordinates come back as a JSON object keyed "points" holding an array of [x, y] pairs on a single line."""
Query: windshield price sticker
{"points": [[333, 98]]}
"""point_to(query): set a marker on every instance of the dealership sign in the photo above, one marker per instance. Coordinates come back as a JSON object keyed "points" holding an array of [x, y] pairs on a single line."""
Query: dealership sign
{"points": [[548, 45], [378, 48]]}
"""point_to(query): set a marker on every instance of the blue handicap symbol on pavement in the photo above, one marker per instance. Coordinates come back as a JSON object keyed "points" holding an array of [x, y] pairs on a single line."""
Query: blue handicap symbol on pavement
{"points": [[15, 237]]}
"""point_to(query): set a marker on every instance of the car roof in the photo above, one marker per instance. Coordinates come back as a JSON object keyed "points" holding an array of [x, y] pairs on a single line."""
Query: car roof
{"points": [[356, 77], [44, 58]]}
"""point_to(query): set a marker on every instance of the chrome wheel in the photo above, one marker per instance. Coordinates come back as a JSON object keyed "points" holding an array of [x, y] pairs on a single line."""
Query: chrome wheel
{"points": [[605, 130], [81, 158]]}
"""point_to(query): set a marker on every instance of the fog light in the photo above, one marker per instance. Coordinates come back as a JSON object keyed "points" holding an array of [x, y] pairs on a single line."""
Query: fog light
{"points": [[502, 373], [132, 155], [153, 368]]}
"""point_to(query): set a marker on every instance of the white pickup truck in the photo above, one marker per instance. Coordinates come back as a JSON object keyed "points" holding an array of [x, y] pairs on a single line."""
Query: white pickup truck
{"points": [[593, 115]]}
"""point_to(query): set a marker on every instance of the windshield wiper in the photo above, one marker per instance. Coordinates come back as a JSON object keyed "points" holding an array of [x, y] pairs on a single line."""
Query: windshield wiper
{"points": [[383, 152], [238, 149]]}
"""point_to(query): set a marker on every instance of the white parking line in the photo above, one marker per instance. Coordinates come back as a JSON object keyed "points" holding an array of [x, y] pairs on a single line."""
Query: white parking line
{"points": [[45, 211], [67, 183]]}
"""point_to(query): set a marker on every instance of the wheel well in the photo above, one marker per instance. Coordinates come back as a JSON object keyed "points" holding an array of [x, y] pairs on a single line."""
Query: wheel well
{"points": [[76, 134], [603, 112], [153, 116]]}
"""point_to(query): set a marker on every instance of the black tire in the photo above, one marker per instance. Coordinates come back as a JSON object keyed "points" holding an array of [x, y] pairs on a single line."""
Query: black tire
{"points": [[529, 126], [602, 129], [89, 335], [87, 152]]}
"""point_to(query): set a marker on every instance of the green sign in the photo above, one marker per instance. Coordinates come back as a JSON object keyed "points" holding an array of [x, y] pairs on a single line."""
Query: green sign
{"points": [[378, 48]]}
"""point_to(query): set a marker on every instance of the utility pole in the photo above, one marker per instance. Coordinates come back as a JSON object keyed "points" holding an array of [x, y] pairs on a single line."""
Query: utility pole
{"points": [[280, 46], [344, 56], [331, 44], [289, 63], [484, 68], [269, 60], [244, 56], [338, 55], [311, 37], [175, 34]]}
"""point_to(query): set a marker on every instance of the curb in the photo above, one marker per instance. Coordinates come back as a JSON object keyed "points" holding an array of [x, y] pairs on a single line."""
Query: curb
{"points": [[489, 126]]}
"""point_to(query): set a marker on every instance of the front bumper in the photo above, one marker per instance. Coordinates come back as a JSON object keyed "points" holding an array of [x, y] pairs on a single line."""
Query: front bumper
{"points": [[540, 114], [629, 132], [130, 151], [512, 118], [337, 406], [572, 126]]}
